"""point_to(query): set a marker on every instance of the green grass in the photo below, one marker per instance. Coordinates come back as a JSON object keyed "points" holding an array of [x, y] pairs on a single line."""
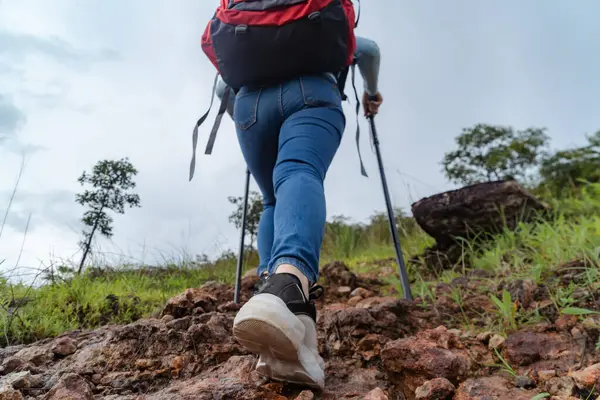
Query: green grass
{"points": [[533, 251]]}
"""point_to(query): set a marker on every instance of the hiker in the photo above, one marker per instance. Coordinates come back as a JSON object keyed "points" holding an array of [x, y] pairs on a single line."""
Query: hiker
{"points": [[287, 62], [288, 146]]}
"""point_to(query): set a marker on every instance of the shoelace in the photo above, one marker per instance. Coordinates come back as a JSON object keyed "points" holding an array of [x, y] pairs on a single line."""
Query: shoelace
{"points": [[314, 292]]}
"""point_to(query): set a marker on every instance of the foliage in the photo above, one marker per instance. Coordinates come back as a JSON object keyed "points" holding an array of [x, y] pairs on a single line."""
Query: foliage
{"points": [[111, 181], [254, 212], [492, 152], [507, 309], [572, 167]]}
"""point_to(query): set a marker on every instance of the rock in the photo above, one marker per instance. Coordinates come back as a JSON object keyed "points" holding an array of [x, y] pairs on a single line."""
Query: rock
{"points": [[491, 387], [180, 324], [371, 301], [455, 332], [96, 379], [7, 392], [362, 292], [64, 346], [19, 380], [473, 209], [485, 337], [592, 324], [337, 273], [305, 395], [496, 342], [525, 348], [565, 322], [577, 334], [37, 355], [167, 318], [229, 307], [546, 375], [370, 345], [376, 394], [233, 379], [344, 326], [344, 290], [435, 389], [563, 386], [587, 378], [524, 382], [354, 301], [12, 364], [412, 361], [71, 387], [188, 301]]}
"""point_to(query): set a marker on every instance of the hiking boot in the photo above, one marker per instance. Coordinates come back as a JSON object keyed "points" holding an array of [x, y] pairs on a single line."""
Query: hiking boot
{"points": [[279, 324]]}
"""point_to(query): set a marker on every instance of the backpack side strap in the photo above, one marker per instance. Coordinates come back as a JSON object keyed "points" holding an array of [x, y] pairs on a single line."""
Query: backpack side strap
{"points": [[362, 167], [213, 133]]}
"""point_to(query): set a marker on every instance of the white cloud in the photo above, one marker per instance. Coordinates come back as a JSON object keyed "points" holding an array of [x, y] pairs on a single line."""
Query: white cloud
{"points": [[108, 79]]}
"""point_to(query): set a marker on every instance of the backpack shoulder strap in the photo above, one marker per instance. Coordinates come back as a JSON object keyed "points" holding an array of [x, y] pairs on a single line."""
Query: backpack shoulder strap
{"points": [[215, 128]]}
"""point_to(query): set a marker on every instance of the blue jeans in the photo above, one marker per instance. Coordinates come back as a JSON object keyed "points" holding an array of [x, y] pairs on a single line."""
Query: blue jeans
{"points": [[289, 134]]}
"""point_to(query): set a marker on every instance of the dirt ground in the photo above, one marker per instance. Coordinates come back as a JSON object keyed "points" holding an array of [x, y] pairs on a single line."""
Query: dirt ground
{"points": [[376, 347]]}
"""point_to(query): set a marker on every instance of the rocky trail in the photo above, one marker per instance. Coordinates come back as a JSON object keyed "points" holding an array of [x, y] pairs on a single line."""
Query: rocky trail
{"points": [[376, 347]]}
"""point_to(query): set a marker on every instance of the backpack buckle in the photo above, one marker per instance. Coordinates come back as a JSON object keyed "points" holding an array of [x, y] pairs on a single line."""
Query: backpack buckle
{"points": [[241, 29], [314, 16]]}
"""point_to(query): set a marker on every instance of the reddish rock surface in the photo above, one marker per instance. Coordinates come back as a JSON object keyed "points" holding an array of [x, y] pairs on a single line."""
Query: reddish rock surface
{"points": [[410, 362], [541, 350], [435, 389], [375, 347], [491, 387]]}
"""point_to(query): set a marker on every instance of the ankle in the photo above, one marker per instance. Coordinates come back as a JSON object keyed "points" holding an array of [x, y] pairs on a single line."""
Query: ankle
{"points": [[290, 269]]}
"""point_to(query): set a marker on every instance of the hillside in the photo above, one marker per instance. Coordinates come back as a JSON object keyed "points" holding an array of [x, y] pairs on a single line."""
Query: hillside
{"points": [[517, 317]]}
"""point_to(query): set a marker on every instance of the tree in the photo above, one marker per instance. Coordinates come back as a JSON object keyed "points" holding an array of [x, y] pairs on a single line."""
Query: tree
{"points": [[569, 168], [493, 152], [111, 181], [255, 208]]}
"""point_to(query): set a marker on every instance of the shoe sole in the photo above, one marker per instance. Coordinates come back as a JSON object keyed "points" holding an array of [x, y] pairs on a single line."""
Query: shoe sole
{"points": [[288, 372]]}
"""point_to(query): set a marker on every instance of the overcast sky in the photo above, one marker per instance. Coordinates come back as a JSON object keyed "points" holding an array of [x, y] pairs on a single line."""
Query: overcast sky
{"points": [[82, 81]]}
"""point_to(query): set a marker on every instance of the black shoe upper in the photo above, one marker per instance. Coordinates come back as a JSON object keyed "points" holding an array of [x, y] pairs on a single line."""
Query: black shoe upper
{"points": [[289, 289]]}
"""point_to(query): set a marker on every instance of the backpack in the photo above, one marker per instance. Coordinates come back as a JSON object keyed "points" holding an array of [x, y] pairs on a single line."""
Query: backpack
{"points": [[264, 42]]}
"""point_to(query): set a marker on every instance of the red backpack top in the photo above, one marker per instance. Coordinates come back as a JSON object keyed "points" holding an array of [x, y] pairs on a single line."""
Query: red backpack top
{"points": [[264, 42], [261, 42]]}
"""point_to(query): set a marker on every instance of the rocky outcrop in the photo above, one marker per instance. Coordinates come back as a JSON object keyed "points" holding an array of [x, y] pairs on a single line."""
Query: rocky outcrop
{"points": [[475, 211]]}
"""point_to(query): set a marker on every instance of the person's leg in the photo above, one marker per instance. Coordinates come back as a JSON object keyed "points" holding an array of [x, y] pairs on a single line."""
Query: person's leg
{"points": [[279, 322], [308, 141], [258, 122], [264, 235]]}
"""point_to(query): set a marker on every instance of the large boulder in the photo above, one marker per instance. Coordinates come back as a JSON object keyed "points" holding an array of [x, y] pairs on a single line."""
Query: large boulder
{"points": [[473, 211]]}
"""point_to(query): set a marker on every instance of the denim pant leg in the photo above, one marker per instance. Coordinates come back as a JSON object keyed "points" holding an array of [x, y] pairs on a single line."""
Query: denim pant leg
{"points": [[258, 121], [289, 135], [308, 141]]}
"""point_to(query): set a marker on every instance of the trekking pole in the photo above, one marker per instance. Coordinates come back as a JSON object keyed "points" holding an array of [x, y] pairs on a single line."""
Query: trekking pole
{"points": [[390, 211], [240, 261]]}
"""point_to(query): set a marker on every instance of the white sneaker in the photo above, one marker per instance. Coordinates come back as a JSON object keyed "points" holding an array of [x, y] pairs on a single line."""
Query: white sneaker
{"points": [[278, 323]]}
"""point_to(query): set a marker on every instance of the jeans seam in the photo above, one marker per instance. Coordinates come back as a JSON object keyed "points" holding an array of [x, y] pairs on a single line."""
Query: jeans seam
{"points": [[280, 100]]}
